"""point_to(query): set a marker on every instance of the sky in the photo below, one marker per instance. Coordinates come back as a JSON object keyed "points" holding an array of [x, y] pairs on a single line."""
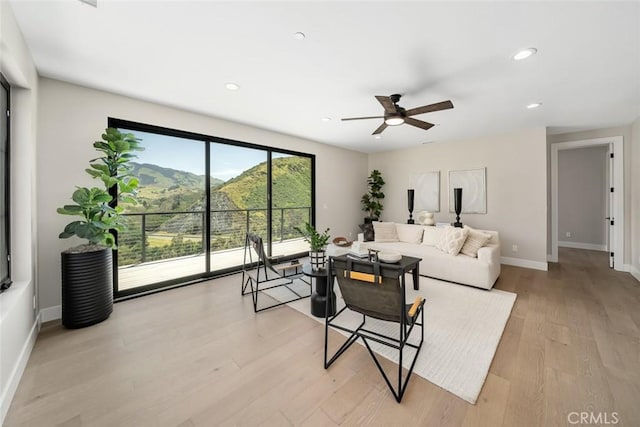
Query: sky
{"points": [[227, 161]]}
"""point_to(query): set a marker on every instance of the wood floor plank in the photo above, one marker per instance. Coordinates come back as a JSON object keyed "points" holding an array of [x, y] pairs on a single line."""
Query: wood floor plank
{"points": [[200, 356], [490, 408]]}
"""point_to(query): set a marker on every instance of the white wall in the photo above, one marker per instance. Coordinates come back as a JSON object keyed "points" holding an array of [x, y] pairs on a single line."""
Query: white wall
{"points": [[18, 320], [635, 198], [516, 186], [72, 117], [582, 199], [625, 132]]}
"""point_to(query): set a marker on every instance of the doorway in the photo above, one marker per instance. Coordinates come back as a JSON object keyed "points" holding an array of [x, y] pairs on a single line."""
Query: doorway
{"points": [[613, 218]]}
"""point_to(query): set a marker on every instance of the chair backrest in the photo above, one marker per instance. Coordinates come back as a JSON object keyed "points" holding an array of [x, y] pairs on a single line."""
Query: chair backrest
{"points": [[375, 290], [256, 243]]}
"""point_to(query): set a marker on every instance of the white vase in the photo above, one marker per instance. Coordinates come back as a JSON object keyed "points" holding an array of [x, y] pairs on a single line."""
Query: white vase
{"points": [[318, 259]]}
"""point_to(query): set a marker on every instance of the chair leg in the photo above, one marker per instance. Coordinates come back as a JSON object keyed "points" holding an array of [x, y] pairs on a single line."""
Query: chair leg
{"points": [[398, 392], [350, 340]]}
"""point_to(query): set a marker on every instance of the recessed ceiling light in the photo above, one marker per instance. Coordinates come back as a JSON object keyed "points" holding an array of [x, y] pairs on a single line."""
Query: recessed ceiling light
{"points": [[93, 3], [524, 54], [326, 119], [534, 105], [232, 86], [299, 35], [378, 136]]}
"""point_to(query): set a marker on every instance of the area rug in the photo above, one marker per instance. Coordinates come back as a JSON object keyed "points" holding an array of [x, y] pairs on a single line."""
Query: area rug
{"points": [[462, 332]]}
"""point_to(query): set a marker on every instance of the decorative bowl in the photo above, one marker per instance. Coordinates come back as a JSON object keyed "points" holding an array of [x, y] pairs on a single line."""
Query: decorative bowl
{"points": [[389, 257], [341, 241]]}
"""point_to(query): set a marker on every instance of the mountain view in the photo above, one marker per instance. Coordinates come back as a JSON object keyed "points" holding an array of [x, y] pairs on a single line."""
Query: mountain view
{"points": [[173, 204]]}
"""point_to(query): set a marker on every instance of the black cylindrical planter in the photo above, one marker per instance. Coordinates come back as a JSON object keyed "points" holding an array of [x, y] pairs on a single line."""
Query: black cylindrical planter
{"points": [[87, 286]]}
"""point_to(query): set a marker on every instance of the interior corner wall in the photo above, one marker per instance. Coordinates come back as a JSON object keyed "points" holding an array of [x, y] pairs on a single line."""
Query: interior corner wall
{"points": [[516, 186], [635, 198], [582, 199], [18, 319], [71, 117], [625, 132]]}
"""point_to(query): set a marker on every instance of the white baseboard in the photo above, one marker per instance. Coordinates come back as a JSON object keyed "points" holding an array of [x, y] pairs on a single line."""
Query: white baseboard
{"points": [[588, 246], [634, 272], [18, 370], [519, 262], [51, 313]]}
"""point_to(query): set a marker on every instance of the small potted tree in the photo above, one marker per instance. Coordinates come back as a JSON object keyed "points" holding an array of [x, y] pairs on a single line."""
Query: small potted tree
{"points": [[371, 200], [87, 269], [317, 244]]}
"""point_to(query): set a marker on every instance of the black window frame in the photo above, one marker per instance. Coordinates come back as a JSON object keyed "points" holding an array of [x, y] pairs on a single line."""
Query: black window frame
{"points": [[5, 282], [206, 139]]}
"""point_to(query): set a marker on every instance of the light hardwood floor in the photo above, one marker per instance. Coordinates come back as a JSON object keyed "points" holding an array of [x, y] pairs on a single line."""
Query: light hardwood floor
{"points": [[199, 356]]}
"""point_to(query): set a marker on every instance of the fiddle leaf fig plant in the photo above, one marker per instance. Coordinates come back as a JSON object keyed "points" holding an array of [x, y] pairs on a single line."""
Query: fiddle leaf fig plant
{"points": [[372, 200], [97, 207]]}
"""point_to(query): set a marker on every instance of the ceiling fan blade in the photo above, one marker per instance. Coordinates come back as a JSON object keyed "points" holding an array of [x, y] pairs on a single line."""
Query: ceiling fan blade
{"points": [[382, 127], [444, 105], [387, 103], [363, 118], [418, 123]]}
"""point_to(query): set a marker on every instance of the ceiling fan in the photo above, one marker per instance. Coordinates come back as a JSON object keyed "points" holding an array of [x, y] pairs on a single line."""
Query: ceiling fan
{"points": [[395, 115]]}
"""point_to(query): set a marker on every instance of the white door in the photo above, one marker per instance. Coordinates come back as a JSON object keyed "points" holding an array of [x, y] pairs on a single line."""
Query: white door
{"points": [[610, 218]]}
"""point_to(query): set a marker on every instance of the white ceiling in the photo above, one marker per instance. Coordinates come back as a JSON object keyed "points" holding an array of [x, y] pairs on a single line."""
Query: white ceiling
{"points": [[181, 53]]}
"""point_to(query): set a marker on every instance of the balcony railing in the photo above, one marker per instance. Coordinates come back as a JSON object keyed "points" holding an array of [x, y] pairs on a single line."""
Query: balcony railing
{"points": [[155, 236]]}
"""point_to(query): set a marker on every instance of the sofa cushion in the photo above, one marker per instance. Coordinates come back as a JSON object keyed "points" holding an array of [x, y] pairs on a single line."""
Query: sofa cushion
{"points": [[385, 232], [475, 240], [431, 235], [409, 233], [452, 240]]}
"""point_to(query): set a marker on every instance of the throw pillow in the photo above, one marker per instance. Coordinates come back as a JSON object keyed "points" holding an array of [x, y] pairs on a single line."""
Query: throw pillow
{"points": [[432, 235], [453, 239], [409, 233], [385, 232], [475, 241], [367, 232]]}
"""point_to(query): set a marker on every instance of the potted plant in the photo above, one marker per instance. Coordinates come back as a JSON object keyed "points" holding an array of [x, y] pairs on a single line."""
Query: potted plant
{"points": [[87, 269], [371, 200], [317, 244]]}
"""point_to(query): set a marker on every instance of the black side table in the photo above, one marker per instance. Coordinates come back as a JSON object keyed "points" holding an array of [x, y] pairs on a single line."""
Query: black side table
{"points": [[319, 296]]}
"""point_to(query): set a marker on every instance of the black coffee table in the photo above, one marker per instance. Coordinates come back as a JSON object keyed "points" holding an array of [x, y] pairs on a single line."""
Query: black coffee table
{"points": [[319, 296]]}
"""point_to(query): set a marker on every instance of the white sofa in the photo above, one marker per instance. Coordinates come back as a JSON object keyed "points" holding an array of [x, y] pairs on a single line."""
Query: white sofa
{"points": [[481, 272]]}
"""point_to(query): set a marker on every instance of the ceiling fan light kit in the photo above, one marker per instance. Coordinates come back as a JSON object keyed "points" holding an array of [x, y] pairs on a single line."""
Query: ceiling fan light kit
{"points": [[524, 54], [395, 115], [394, 120]]}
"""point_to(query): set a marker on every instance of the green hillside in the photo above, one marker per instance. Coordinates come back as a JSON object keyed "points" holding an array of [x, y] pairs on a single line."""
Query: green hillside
{"points": [[173, 234], [291, 184], [165, 189]]}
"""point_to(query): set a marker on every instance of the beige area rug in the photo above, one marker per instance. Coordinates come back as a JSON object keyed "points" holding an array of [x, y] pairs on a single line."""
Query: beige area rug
{"points": [[463, 327]]}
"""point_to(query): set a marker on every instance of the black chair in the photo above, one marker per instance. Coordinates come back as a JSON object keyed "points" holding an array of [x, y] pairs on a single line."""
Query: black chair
{"points": [[260, 275], [378, 291]]}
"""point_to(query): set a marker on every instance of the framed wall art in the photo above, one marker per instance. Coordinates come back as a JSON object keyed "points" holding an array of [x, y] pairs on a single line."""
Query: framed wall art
{"points": [[427, 191], [474, 190]]}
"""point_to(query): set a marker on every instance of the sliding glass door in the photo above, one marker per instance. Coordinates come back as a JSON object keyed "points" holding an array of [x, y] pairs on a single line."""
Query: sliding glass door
{"points": [[168, 222], [239, 190], [291, 185], [199, 195]]}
